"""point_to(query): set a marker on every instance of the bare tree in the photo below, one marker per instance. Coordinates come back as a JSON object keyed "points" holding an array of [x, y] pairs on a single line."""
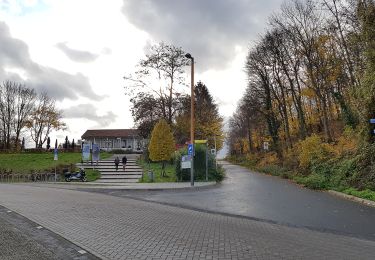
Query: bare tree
{"points": [[44, 118], [158, 77], [16, 104]]}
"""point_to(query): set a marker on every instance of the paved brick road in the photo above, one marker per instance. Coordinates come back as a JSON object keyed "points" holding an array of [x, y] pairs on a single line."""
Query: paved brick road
{"points": [[121, 228]]}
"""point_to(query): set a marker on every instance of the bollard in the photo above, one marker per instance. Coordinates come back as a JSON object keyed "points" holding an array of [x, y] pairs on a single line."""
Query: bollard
{"points": [[151, 176]]}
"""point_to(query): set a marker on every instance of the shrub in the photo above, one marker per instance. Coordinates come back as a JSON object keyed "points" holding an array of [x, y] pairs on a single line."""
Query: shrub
{"points": [[216, 174], [348, 142], [314, 181], [268, 159], [274, 169], [313, 150], [365, 178]]}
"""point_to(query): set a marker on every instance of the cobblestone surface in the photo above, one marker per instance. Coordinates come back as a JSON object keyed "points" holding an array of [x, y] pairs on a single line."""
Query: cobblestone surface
{"points": [[15, 245], [122, 228], [21, 238]]}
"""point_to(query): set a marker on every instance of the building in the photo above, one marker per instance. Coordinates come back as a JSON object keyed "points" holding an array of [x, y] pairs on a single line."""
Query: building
{"points": [[109, 139]]}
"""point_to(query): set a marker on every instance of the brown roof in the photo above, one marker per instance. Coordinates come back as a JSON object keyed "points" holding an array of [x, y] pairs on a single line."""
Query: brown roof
{"points": [[110, 133]]}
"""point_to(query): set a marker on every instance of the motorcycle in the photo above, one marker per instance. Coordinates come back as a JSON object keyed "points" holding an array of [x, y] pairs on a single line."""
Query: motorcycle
{"points": [[76, 176]]}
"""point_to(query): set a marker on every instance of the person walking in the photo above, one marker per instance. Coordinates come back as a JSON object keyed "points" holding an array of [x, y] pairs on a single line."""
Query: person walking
{"points": [[124, 161], [117, 161]]}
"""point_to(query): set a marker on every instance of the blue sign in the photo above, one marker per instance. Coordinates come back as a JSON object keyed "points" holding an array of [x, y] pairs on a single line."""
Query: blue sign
{"points": [[372, 121], [55, 156], [95, 152], [190, 149]]}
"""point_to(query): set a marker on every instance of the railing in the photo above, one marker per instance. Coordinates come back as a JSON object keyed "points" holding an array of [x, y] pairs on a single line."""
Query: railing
{"points": [[33, 177]]}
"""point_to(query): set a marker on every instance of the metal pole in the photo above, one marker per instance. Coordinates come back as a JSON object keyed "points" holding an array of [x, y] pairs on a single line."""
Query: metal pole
{"points": [[215, 153], [206, 161], [192, 122]]}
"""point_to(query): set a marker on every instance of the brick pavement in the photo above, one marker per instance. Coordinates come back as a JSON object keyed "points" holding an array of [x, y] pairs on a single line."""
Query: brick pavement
{"points": [[122, 228]]}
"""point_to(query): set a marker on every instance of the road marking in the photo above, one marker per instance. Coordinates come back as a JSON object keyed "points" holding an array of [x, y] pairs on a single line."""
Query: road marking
{"points": [[82, 252]]}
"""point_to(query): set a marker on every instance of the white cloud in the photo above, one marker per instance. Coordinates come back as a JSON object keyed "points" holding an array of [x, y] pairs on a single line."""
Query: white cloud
{"points": [[115, 42]]}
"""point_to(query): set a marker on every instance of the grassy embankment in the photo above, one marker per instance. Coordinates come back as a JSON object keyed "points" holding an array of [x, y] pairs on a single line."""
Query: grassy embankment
{"points": [[27, 163]]}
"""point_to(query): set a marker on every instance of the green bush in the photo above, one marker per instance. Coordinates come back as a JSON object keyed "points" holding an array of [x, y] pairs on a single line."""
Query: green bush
{"points": [[365, 177], [314, 181], [312, 151], [216, 174], [274, 169]]}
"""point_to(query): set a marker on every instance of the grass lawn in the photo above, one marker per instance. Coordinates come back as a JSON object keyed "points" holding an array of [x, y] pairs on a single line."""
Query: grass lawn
{"points": [[156, 169], [27, 162], [92, 175]]}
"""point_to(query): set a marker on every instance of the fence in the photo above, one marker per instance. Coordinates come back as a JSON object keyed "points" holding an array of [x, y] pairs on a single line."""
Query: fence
{"points": [[33, 177]]}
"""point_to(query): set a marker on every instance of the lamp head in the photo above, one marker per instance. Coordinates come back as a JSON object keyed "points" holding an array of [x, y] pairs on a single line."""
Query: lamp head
{"points": [[188, 55]]}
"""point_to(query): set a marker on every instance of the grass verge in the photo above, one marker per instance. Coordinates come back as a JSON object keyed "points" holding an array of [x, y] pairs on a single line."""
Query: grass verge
{"points": [[92, 175], [156, 169]]}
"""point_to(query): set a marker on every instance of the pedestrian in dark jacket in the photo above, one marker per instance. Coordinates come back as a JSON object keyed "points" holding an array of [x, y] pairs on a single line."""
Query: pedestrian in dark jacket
{"points": [[117, 161], [124, 161]]}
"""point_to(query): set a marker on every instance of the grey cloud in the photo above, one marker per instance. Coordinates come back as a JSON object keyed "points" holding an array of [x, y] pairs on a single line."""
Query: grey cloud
{"points": [[89, 111], [15, 57], [76, 55], [209, 29]]}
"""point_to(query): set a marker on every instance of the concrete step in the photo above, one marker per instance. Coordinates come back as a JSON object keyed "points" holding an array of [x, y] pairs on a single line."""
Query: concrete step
{"points": [[117, 181], [104, 168], [112, 160], [105, 164], [120, 170], [121, 173], [123, 177]]}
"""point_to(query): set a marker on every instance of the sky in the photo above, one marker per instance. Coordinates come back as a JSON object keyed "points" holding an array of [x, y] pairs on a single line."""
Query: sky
{"points": [[80, 50]]}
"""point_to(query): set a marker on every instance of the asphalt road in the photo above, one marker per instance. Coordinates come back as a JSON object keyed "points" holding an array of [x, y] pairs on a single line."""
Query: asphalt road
{"points": [[272, 199]]}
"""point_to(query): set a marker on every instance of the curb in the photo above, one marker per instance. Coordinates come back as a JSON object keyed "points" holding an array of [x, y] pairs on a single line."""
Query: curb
{"points": [[352, 198], [116, 186]]}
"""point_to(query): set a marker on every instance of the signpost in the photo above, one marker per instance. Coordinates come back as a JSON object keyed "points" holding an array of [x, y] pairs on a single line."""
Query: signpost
{"points": [[55, 155], [372, 121], [266, 146], [186, 162], [55, 158], [95, 153], [86, 152], [190, 149]]}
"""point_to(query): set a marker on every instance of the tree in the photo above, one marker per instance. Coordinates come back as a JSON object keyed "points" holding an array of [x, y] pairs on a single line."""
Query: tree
{"points": [[208, 122], [366, 92], [44, 118], [162, 144], [16, 104], [153, 88], [73, 144], [66, 145], [48, 143]]}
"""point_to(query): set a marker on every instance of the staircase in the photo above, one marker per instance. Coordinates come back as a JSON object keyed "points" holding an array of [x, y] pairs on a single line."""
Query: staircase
{"points": [[108, 171]]}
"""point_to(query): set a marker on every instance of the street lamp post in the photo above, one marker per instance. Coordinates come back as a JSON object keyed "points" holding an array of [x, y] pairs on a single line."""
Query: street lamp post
{"points": [[192, 118]]}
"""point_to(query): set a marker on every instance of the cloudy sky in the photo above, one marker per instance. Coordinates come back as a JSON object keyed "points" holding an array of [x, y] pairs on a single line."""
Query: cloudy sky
{"points": [[79, 50]]}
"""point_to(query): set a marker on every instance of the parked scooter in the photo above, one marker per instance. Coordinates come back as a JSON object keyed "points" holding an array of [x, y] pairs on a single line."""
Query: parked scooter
{"points": [[76, 176]]}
